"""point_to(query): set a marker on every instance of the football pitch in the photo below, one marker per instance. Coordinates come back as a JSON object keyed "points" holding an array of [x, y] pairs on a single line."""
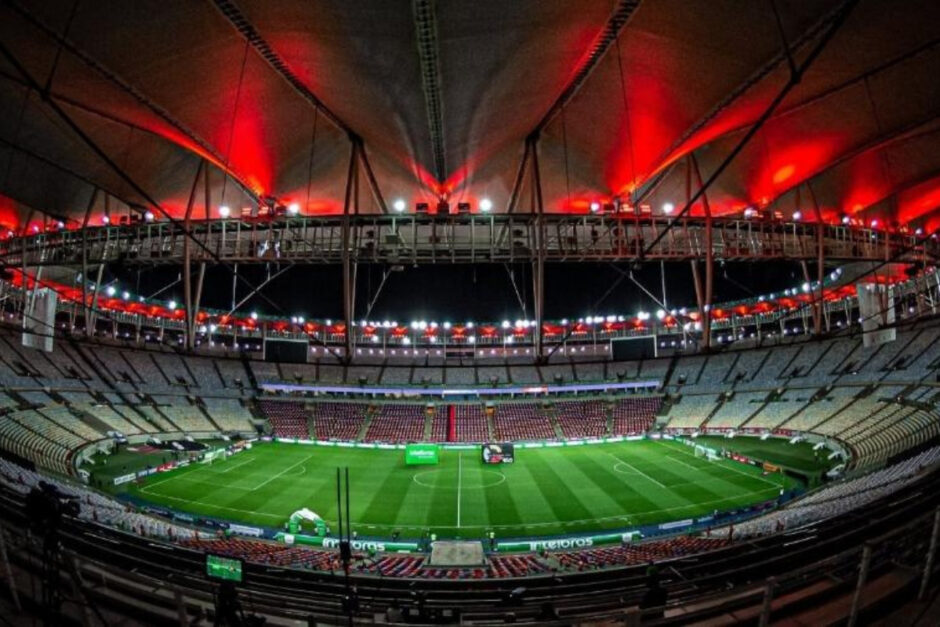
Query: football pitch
{"points": [[546, 491]]}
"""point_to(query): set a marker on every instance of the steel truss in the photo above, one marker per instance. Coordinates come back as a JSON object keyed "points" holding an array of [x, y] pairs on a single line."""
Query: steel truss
{"points": [[466, 238]]}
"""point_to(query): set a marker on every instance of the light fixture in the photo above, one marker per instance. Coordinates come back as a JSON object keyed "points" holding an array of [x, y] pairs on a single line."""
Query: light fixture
{"points": [[293, 208], [595, 206], [224, 211], [148, 216], [172, 305], [399, 205], [668, 208], [105, 219], [797, 215], [254, 315], [486, 205]]}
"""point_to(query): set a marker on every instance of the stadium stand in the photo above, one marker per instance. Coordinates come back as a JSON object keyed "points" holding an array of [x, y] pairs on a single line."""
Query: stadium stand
{"points": [[522, 421], [229, 414], [634, 416], [835, 499], [691, 411], [582, 419], [338, 421], [394, 423], [288, 419], [471, 423]]}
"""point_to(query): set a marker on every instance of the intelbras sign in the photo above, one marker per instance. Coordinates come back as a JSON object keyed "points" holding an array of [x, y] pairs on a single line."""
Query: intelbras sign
{"points": [[565, 544]]}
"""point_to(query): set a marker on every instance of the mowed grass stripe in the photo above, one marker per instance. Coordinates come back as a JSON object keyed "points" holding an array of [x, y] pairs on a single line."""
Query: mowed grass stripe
{"points": [[619, 486], [501, 507], [682, 481], [743, 475], [562, 500], [547, 491]]}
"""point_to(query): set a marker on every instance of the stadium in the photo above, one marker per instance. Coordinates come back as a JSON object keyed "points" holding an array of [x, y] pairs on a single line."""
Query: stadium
{"points": [[553, 313]]}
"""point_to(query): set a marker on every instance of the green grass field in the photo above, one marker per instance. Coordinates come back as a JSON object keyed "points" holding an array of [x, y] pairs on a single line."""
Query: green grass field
{"points": [[547, 491], [799, 456]]}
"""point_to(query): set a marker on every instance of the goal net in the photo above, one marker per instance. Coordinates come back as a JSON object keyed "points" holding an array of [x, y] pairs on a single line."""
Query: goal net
{"points": [[707, 453]]}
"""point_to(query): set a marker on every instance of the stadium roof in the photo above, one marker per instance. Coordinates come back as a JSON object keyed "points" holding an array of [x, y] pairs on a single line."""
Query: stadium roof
{"points": [[443, 96]]}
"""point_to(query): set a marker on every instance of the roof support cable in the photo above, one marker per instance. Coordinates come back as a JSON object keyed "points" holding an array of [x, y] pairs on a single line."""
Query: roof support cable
{"points": [[837, 22], [58, 52], [313, 148], [783, 41], [231, 130], [564, 144], [626, 117], [599, 46], [6, 53]]}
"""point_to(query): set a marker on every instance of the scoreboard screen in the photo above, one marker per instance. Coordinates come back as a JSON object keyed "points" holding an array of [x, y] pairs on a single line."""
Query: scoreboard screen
{"points": [[498, 454], [224, 568], [286, 351]]}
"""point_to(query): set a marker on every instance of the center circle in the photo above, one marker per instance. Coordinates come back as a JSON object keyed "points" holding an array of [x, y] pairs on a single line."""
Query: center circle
{"points": [[489, 479]]}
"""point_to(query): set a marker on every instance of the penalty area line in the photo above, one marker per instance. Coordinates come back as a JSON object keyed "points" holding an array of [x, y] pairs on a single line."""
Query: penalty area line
{"points": [[637, 470], [726, 466], [270, 479]]}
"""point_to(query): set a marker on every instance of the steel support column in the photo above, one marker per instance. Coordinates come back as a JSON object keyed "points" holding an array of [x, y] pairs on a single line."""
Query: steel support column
{"points": [[189, 312], [349, 285], [706, 305], [820, 262], [85, 220], [538, 266]]}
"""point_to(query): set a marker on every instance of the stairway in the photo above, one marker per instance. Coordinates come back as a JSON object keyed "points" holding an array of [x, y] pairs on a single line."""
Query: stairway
{"points": [[451, 423]]}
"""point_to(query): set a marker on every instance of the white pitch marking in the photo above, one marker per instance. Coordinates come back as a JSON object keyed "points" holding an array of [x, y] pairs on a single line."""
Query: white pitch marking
{"points": [[729, 467], [238, 465], [679, 461], [459, 483], [269, 480], [638, 471]]}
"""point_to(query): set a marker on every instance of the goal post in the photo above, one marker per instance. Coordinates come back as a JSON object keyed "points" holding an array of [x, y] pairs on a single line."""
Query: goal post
{"points": [[706, 452]]}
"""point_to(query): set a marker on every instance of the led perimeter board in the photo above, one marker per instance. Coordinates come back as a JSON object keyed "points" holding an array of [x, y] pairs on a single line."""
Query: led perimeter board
{"points": [[223, 568], [422, 454], [498, 453]]}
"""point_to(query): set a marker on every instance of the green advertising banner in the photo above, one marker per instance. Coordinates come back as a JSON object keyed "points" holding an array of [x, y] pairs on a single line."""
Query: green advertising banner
{"points": [[416, 454], [357, 545], [567, 544]]}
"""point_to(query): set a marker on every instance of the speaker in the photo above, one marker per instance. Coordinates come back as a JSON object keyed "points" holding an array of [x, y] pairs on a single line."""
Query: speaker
{"points": [[421, 207]]}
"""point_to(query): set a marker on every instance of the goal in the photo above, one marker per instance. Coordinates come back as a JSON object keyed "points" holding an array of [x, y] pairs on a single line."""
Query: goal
{"points": [[707, 453]]}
